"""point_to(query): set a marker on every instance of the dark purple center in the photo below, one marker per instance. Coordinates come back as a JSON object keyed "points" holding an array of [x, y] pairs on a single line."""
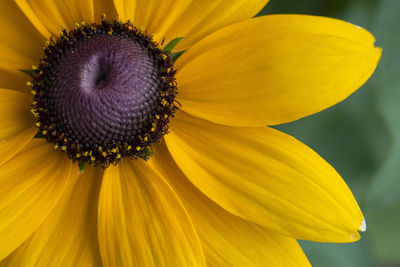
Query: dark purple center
{"points": [[104, 90]]}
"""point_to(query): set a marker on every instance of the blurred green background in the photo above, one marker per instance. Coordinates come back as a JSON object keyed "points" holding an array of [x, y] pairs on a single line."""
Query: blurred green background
{"points": [[360, 137]]}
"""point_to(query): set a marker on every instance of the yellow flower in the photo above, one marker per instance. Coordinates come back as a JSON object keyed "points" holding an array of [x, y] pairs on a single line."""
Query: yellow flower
{"points": [[221, 188]]}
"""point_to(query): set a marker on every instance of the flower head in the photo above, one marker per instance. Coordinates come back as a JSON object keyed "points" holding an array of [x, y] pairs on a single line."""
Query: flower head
{"points": [[139, 138]]}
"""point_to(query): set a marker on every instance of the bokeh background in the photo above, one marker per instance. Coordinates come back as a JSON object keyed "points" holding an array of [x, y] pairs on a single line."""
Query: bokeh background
{"points": [[360, 137]]}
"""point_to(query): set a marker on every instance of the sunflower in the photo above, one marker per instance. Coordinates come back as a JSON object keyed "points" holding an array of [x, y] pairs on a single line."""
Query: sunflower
{"points": [[140, 138]]}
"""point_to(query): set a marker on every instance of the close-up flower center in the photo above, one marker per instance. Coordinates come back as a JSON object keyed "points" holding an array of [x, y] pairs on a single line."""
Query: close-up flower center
{"points": [[103, 92]]}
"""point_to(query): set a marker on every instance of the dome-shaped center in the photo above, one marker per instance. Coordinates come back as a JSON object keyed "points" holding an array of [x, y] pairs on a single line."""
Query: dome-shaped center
{"points": [[104, 91]]}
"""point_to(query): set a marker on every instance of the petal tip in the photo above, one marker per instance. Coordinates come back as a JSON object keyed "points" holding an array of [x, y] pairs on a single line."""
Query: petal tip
{"points": [[363, 226]]}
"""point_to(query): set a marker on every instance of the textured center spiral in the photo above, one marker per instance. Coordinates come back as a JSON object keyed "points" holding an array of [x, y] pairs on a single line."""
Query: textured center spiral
{"points": [[104, 91]]}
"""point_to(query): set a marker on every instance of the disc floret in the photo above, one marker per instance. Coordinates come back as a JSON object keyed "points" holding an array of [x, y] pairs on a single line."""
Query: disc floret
{"points": [[131, 123]]}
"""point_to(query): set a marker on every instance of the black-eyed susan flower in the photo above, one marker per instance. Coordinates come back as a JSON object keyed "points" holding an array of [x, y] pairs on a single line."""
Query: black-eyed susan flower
{"points": [[139, 138]]}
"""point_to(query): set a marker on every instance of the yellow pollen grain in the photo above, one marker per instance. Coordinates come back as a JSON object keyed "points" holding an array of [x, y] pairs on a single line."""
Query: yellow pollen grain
{"points": [[164, 57], [138, 148], [55, 146], [104, 154], [34, 67], [44, 132], [129, 148], [92, 158], [118, 156], [63, 148], [78, 155], [38, 124], [85, 153]]}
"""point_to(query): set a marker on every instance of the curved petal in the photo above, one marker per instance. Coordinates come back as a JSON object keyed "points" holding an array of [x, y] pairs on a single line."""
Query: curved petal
{"points": [[14, 79], [182, 18], [142, 222], [274, 69], [68, 237], [49, 15], [20, 43], [227, 239], [267, 177], [17, 125], [31, 185]]}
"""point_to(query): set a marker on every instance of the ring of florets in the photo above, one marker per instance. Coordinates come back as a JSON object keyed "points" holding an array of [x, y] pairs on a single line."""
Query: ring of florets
{"points": [[140, 145]]}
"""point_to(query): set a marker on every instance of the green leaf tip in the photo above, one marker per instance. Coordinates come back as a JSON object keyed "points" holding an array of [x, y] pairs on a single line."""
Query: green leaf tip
{"points": [[39, 135], [29, 72], [171, 45], [82, 165], [148, 153]]}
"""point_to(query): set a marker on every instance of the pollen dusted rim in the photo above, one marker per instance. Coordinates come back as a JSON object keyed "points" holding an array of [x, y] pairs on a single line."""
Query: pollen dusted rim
{"points": [[140, 146]]}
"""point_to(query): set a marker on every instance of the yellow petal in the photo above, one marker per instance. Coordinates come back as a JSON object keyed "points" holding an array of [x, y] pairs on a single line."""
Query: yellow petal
{"points": [[142, 222], [126, 9], [20, 43], [104, 7], [267, 177], [49, 15], [274, 69], [31, 184], [16, 123], [190, 19], [201, 18], [227, 239], [68, 237], [14, 79]]}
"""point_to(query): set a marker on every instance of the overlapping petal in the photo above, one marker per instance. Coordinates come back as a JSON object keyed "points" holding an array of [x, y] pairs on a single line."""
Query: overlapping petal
{"points": [[142, 222], [191, 19], [274, 69], [227, 239], [68, 237], [266, 176], [16, 123], [20, 43], [31, 185], [49, 15]]}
